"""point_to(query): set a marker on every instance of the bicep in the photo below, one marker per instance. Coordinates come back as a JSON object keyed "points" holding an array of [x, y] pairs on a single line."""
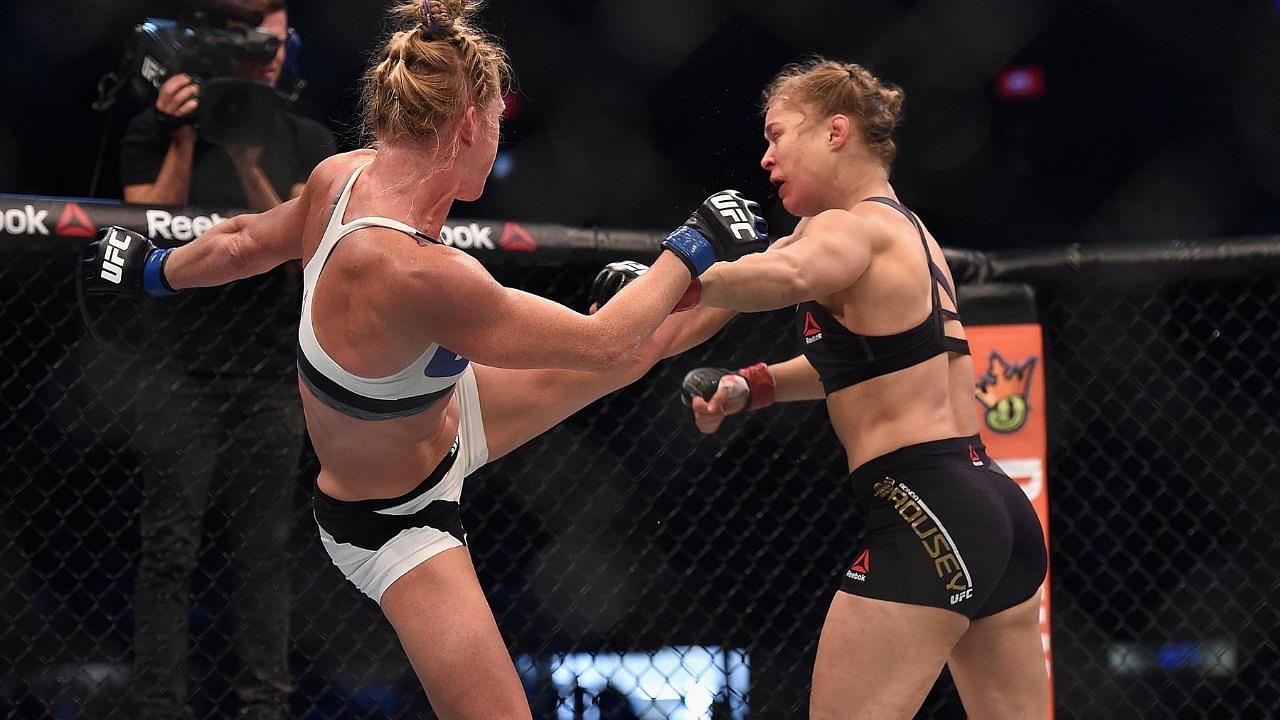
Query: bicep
{"points": [[239, 247], [830, 257], [274, 236], [502, 327]]}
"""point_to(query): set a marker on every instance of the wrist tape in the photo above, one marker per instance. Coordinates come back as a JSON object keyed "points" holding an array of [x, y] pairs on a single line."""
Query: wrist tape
{"points": [[760, 384]]}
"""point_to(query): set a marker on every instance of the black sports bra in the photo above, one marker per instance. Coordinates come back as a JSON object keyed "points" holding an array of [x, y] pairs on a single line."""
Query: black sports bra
{"points": [[843, 358]]}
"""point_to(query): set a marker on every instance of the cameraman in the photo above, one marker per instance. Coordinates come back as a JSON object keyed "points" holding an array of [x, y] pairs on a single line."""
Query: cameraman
{"points": [[164, 162], [218, 420]]}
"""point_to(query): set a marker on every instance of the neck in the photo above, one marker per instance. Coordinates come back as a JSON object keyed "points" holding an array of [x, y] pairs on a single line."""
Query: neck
{"points": [[409, 184], [859, 180]]}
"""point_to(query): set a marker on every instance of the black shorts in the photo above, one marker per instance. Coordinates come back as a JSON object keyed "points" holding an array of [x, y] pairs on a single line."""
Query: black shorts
{"points": [[947, 528]]}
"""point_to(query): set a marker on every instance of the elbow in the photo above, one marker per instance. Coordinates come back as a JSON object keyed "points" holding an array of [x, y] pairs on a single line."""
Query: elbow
{"points": [[649, 355], [239, 250], [801, 289], [798, 285], [610, 345], [610, 353], [610, 358]]}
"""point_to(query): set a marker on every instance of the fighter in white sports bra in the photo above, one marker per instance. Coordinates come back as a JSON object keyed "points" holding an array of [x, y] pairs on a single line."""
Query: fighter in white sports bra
{"points": [[407, 392], [398, 421]]}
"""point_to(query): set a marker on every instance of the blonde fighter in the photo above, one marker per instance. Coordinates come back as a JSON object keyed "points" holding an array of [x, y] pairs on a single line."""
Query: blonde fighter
{"points": [[414, 363]]}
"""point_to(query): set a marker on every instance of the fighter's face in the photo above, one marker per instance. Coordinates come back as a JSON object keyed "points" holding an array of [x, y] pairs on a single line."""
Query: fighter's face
{"points": [[791, 156]]}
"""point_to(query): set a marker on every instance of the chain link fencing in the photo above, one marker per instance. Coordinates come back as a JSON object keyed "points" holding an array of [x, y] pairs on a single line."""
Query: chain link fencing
{"points": [[636, 568]]}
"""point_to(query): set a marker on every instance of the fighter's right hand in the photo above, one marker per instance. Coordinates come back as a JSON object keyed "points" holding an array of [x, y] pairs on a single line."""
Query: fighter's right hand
{"points": [[725, 226], [124, 262], [178, 100], [714, 394]]}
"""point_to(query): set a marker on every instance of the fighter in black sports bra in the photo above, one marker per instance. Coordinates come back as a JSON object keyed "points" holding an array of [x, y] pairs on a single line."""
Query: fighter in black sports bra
{"points": [[944, 526], [843, 358], [948, 556]]}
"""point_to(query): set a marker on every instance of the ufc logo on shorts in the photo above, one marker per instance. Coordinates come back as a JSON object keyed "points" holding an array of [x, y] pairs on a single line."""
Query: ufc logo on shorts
{"points": [[730, 207], [112, 260]]}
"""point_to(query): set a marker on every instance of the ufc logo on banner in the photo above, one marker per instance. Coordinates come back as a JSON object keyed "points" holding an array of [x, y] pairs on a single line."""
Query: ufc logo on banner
{"points": [[731, 207], [112, 260]]}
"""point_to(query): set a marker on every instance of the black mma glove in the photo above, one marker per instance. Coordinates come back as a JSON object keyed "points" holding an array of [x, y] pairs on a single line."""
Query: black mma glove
{"points": [[755, 380], [126, 263], [613, 278], [725, 226], [617, 275]]}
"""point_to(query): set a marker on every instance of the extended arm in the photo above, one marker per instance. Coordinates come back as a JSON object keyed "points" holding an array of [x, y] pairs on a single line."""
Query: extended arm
{"points": [[519, 405], [684, 331], [502, 327], [833, 253], [126, 262], [239, 247]]}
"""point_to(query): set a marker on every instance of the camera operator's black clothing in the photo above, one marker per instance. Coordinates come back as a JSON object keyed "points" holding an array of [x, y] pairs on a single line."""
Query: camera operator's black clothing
{"points": [[248, 327], [296, 146], [226, 450], [219, 426]]}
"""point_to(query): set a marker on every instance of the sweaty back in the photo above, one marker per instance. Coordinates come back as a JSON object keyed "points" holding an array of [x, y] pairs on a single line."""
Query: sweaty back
{"points": [[411, 390]]}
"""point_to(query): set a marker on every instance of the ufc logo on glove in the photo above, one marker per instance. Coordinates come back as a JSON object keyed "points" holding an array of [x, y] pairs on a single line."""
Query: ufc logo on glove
{"points": [[112, 260], [731, 207]]}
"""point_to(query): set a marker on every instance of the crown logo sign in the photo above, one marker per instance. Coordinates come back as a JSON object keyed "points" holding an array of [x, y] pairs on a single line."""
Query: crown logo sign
{"points": [[1003, 391], [884, 487]]}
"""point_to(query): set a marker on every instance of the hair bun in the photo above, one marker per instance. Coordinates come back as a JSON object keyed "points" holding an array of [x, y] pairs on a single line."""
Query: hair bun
{"points": [[439, 17]]}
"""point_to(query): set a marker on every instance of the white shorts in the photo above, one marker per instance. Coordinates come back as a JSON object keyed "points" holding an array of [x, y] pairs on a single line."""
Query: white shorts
{"points": [[374, 542]]}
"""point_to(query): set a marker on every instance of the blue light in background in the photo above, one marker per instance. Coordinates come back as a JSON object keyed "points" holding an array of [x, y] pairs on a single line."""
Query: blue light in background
{"points": [[1175, 655], [1210, 658], [672, 683], [503, 164]]}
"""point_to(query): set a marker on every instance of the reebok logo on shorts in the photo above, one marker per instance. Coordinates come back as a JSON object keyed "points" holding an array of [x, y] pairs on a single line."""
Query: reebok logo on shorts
{"points": [[860, 567], [932, 534]]}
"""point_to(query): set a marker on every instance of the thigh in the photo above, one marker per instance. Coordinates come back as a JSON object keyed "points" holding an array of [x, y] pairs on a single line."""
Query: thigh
{"points": [[999, 668], [877, 659], [447, 629]]}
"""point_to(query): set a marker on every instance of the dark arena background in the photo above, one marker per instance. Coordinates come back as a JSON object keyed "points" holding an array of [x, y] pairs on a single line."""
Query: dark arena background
{"points": [[1106, 172]]}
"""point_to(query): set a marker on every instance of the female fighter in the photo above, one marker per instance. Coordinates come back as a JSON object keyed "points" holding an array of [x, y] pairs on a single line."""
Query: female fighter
{"points": [[412, 359], [952, 560]]}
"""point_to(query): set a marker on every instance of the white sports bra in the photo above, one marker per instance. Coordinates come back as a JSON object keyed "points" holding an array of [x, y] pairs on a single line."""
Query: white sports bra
{"points": [[410, 391]]}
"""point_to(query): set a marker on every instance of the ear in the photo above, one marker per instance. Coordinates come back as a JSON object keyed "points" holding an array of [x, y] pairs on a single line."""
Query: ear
{"points": [[839, 129], [469, 126]]}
